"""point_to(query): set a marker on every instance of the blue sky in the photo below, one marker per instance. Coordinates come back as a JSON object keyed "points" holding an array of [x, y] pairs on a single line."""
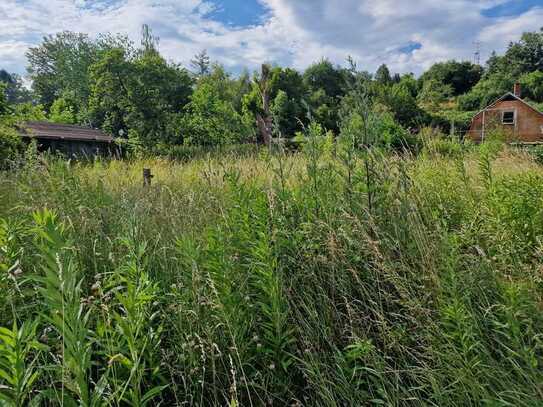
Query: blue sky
{"points": [[238, 13], [408, 35], [512, 8]]}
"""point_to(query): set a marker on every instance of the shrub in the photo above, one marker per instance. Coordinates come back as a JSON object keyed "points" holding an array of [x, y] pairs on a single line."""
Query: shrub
{"points": [[11, 145], [443, 147], [537, 153]]}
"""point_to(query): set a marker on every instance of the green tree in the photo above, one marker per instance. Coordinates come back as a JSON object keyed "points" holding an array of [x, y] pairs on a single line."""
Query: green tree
{"points": [[110, 102], [24, 112], [287, 113], [325, 85], [287, 94], [401, 104], [408, 81], [532, 85], [15, 90], [139, 93], [382, 75], [201, 64], [460, 76], [4, 106], [325, 76], [59, 66], [486, 91], [62, 111], [211, 118], [434, 93], [523, 56]]}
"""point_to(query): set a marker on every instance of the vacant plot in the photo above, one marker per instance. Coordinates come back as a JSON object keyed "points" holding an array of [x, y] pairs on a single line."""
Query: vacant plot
{"points": [[318, 278]]}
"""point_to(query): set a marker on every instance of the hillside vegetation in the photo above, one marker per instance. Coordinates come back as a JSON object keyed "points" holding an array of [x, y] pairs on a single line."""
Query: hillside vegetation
{"points": [[333, 276], [149, 104]]}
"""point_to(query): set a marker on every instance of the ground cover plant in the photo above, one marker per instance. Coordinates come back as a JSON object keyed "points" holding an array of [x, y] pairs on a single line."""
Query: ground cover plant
{"points": [[336, 275]]}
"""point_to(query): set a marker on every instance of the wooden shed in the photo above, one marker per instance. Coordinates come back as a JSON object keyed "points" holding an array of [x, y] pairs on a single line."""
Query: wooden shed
{"points": [[510, 115], [72, 141]]}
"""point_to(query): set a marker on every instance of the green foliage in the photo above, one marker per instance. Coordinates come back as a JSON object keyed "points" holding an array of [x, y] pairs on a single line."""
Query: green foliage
{"points": [[443, 147], [62, 111], [434, 93], [27, 112], [325, 84], [532, 85], [399, 100], [287, 114], [458, 77], [211, 117], [140, 93], [135, 341], [10, 145], [4, 107], [338, 276], [523, 56], [487, 91], [60, 286], [537, 153], [288, 93], [324, 76], [59, 65], [382, 75], [15, 90], [19, 352]]}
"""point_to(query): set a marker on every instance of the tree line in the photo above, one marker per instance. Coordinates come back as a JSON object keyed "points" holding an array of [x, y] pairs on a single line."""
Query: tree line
{"points": [[132, 92]]}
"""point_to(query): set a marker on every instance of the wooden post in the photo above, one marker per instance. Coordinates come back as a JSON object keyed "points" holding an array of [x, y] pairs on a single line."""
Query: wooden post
{"points": [[147, 177]]}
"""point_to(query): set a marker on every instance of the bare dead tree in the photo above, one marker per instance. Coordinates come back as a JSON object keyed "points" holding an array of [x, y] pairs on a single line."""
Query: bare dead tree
{"points": [[264, 120]]}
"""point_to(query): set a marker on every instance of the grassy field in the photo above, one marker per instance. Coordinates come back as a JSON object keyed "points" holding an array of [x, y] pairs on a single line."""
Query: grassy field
{"points": [[322, 278]]}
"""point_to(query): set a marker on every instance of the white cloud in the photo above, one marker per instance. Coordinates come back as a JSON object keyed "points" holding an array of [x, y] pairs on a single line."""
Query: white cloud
{"points": [[297, 32], [507, 30]]}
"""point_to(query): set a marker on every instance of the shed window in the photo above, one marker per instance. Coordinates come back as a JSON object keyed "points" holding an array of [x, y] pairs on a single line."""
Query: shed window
{"points": [[508, 117]]}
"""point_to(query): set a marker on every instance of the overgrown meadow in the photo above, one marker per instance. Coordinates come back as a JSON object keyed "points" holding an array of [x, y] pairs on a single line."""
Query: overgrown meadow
{"points": [[328, 277]]}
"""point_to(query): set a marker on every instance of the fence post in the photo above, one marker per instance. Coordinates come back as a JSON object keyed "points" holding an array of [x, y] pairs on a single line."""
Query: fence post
{"points": [[147, 177]]}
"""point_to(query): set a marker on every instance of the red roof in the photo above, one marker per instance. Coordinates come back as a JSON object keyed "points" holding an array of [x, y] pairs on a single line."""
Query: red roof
{"points": [[55, 131]]}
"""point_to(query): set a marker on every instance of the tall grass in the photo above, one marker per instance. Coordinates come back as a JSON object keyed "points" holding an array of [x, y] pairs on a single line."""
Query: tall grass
{"points": [[331, 276]]}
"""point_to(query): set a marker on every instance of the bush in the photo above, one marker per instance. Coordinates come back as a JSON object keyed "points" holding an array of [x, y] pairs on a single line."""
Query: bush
{"points": [[378, 129], [443, 147], [11, 145], [537, 153]]}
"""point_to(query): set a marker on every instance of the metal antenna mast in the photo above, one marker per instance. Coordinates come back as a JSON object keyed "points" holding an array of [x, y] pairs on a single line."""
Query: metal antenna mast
{"points": [[477, 54]]}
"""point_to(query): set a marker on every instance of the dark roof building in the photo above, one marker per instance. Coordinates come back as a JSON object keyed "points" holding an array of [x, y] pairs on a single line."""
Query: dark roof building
{"points": [[72, 141], [510, 115]]}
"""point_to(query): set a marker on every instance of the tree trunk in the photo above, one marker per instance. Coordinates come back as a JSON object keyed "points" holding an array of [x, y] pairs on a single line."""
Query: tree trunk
{"points": [[264, 120]]}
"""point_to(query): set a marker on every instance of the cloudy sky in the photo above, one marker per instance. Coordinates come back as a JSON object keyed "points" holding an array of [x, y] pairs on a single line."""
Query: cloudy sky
{"points": [[408, 35]]}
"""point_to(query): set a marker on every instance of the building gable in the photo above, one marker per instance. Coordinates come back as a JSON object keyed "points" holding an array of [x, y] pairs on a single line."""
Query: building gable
{"points": [[518, 120]]}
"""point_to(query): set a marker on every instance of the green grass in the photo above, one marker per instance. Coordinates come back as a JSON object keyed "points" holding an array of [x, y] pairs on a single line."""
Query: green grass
{"points": [[328, 277]]}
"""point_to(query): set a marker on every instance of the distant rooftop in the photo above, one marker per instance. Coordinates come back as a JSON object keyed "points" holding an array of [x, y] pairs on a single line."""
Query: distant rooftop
{"points": [[55, 131]]}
